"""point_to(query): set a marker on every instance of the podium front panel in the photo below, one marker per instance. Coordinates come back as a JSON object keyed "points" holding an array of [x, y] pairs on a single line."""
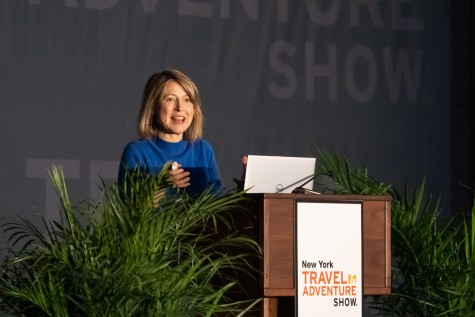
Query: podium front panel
{"points": [[276, 214], [278, 247]]}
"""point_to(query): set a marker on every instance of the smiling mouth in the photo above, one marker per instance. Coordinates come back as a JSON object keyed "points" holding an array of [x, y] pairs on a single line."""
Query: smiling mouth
{"points": [[178, 119]]}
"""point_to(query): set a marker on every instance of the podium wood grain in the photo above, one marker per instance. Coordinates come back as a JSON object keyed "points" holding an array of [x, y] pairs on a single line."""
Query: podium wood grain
{"points": [[276, 214]]}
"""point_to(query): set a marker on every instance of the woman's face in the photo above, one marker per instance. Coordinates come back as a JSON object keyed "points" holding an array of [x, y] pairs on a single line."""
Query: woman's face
{"points": [[175, 112]]}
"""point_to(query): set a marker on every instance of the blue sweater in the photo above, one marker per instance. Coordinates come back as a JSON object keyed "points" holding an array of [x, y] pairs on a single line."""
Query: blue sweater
{"points": [[195, 157]]}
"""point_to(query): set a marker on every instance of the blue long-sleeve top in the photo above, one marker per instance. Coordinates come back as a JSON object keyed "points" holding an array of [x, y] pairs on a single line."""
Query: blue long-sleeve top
{"points": [[197, 157]]}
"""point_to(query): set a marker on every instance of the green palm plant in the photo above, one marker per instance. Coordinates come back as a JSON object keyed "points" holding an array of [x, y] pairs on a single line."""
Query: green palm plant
{"points": [[433, 265], [432, 275], [123, 256], [346, 178]]}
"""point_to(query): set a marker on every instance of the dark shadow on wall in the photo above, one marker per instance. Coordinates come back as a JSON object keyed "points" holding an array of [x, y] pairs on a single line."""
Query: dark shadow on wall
{"points": [[462, 105]]}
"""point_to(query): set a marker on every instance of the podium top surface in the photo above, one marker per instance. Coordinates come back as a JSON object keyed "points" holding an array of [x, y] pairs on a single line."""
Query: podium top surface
{"points": [[323, 197]]}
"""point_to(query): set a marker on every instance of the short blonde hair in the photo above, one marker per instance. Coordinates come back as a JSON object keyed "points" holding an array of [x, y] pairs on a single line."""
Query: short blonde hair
{"points": [[148, 124]]}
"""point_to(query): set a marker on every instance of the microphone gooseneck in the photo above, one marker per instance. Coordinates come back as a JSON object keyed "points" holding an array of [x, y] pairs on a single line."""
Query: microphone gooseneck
{"points": [[279, 188]]}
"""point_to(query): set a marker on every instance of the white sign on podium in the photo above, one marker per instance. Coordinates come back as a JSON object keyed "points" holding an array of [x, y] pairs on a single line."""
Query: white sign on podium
{"points": [[329, 263]]}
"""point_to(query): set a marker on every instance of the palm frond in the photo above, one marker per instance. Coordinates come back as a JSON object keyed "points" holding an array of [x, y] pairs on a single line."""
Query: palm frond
{"points": [[128, 257]]}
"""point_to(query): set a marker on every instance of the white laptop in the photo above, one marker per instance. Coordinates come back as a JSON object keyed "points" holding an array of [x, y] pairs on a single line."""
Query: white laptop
{"points": [[278, 174]]}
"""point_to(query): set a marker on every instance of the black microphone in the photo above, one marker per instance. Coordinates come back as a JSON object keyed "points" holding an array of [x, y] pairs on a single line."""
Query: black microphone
{"points": [[279, 188], [301, 190]]}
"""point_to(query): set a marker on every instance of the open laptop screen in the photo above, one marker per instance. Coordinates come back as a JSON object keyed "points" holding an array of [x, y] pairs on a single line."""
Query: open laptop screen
{"points": [[278, 174]]}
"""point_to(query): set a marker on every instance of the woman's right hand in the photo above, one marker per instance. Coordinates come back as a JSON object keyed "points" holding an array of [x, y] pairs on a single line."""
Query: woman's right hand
{"points": [[179, 177]]}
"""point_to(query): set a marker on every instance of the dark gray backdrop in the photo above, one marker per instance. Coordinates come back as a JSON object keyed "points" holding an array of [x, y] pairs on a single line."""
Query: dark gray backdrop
{"points": [[366, 79]]}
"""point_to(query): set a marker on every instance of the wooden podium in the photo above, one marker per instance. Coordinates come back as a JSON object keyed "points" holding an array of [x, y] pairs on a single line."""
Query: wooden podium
{"points": [[276, 226]]}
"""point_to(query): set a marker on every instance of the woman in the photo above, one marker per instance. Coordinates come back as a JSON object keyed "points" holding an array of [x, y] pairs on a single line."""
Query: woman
{"points": [[170, 126]]}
